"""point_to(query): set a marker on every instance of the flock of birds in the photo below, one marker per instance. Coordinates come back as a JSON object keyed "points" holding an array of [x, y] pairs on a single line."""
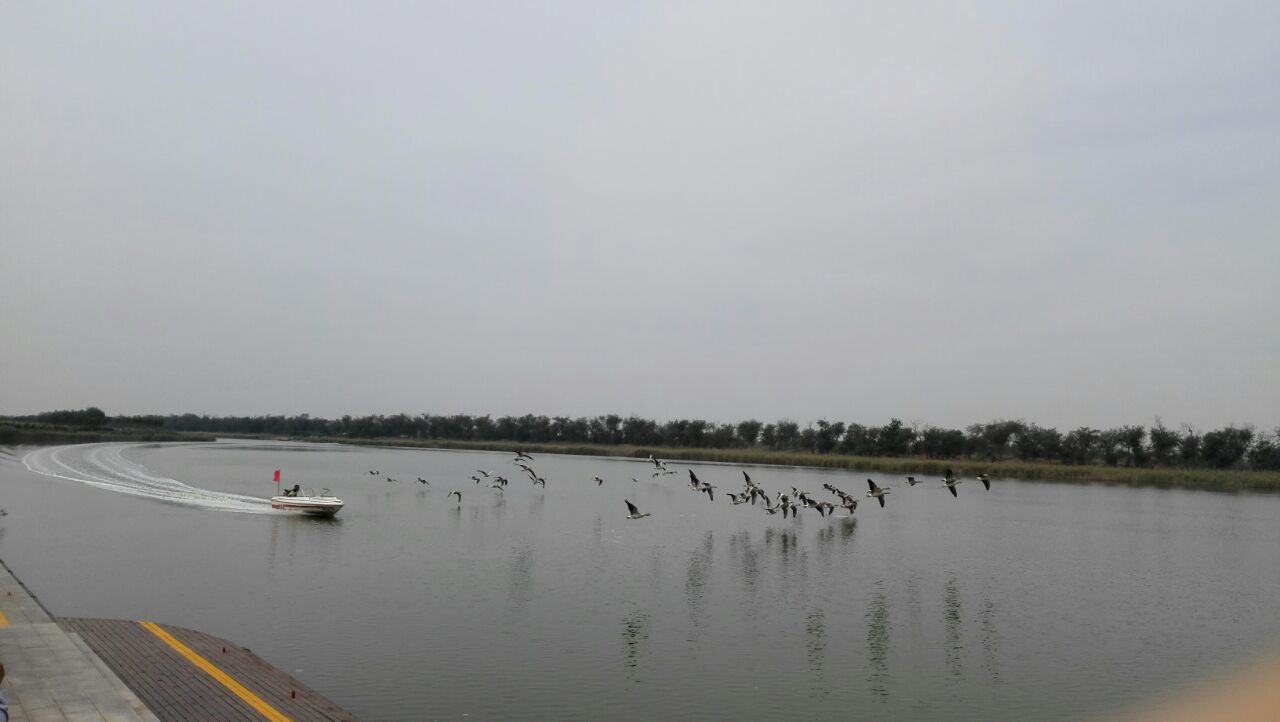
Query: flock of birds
{"points": [[786, 504]]}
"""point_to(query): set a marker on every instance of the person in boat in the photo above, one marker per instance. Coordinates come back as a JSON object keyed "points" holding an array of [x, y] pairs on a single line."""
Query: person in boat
{"points": [[294, 491]]}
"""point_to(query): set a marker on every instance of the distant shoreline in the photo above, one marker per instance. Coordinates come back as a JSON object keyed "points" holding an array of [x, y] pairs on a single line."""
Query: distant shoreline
{"points": [[16, 435], [1173, 478], [1229, 480]]}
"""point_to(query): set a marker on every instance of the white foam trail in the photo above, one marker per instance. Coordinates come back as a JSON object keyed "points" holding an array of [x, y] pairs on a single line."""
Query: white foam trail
{"points": [[103, 466]]}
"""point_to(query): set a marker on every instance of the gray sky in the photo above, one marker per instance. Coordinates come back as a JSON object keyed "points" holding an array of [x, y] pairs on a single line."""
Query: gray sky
{"points": [[943, 212]]}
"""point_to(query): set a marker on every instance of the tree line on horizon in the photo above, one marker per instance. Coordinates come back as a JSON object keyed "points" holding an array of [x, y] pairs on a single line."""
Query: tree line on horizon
{"points": [[1229, 447]]}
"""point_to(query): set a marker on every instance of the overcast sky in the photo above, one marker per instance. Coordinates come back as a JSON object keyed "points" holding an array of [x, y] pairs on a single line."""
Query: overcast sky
{"points": [[948, 213]]}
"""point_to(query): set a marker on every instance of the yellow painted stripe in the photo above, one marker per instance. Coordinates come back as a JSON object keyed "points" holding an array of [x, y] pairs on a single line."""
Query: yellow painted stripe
{"points": [[223, 678], [4, 621]]}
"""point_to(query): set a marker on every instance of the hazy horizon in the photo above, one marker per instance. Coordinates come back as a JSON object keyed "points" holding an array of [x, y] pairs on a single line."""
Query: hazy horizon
{"points": [[940, 213]]}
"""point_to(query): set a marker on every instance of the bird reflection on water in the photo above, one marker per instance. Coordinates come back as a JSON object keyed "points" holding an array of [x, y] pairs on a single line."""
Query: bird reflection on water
{"points": [[990, 640], [951, 617], [815, 641], [744, 553], [878, 629], [521, 578], [635, 630], [697, 578]]}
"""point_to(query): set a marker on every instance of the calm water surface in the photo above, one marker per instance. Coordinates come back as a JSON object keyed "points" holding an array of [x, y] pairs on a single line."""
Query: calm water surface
{"points": [[1031, 601]]}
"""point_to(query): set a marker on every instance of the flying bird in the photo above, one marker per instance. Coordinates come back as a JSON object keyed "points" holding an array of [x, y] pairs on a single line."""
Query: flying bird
{"points": [[422, 480], [459, 494], [912, 481], [599, 481], [634, 512], [877, 492], [986, 481], [950, 482]]}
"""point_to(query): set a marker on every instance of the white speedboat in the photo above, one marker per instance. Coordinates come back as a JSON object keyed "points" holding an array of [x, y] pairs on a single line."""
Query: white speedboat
{"points": [[321, 504]]}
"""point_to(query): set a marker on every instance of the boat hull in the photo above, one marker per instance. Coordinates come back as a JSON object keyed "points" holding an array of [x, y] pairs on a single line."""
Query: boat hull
{"points": [[312, 505]]}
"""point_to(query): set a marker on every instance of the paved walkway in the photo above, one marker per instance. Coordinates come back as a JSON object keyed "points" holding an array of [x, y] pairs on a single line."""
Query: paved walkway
{"points": [[50, 674]]}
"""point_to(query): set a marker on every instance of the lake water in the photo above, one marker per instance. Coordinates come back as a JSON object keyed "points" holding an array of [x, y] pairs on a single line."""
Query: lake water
{"points": [[1030, 601]]}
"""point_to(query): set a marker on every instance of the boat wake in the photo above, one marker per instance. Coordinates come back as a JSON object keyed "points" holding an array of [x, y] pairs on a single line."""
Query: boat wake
{"points": [[103, 466]]}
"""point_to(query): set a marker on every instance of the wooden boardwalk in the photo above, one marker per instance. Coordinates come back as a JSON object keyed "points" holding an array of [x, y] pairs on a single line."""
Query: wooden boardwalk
{"points": [[181, 674]]}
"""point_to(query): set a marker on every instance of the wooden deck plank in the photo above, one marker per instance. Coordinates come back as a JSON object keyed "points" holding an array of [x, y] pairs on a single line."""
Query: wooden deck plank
{"points": [[176, 689]]}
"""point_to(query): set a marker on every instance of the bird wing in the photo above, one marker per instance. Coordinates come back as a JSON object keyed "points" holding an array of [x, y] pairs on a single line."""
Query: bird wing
{"points": [[872, 485], [953, 492], [881, 502], [986, 483], [632, 508]]}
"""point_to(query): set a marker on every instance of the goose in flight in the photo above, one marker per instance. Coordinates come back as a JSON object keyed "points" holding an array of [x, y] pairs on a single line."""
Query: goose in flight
{"points": [[483, 473], [877, 492], [374, 472], [950, 482], [634, 512], [986, 481], [422, 480], [912, 481], [599, 481], [521, 455], [458, 493]]}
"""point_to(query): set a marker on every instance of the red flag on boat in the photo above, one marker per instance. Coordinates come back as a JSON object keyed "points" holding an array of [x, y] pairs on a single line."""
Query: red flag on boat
{"points": [[277, 479]]}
